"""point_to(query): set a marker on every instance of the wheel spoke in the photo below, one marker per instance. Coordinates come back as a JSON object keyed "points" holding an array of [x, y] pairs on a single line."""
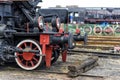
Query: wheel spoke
{"points": [[20, 60], [35, 59], [26, 63], [35, 48], [19, 54], [31, 45], [20, 47], [32, 63], [25, 44]]}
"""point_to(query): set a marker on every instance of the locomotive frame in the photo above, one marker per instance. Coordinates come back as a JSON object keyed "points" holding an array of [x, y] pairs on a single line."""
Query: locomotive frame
{"points": [[26, 39]]}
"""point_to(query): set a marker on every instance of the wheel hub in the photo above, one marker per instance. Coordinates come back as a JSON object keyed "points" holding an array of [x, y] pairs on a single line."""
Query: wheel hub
{"points": [[97, 30], [28, 56]]}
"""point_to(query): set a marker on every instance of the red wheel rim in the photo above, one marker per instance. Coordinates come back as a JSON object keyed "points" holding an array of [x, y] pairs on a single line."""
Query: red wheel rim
{"points": [[97, 30], [108, 31]]}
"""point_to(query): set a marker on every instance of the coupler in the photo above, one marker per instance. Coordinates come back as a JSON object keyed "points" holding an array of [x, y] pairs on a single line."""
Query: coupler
{"points": [[79, 37]]}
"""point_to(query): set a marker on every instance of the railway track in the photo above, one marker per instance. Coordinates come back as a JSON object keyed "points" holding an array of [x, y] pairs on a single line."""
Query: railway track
{"points": [[102, 46], [59, 68], [96, 47], [105, 37], [102, 40], [105, 54]]}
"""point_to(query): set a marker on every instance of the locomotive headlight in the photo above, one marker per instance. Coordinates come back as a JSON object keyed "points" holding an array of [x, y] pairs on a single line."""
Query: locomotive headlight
{"points": [[56, 22], [40, 22]]}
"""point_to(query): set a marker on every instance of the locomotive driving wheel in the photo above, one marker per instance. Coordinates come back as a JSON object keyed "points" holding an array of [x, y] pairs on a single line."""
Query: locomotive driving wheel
{"points": [[97, 30], [28, 60], [108, 31], [87, 29]]}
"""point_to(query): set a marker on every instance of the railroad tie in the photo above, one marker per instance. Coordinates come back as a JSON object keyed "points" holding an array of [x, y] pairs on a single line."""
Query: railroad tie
{"points": [[84, 66]]}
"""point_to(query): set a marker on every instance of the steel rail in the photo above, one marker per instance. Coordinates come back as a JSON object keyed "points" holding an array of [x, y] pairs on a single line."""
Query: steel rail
{"points": [[95, 53]]}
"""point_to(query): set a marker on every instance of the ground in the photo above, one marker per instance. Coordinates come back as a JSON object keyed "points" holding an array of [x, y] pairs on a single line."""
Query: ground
{"points": [[108, 69]]}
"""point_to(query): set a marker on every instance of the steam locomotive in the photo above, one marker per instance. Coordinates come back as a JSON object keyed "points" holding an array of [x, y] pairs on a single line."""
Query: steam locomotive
{"points": [[25, 37]]}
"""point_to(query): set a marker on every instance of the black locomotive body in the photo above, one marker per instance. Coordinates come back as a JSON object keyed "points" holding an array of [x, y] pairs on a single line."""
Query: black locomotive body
{"points": [[26, 38]]}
